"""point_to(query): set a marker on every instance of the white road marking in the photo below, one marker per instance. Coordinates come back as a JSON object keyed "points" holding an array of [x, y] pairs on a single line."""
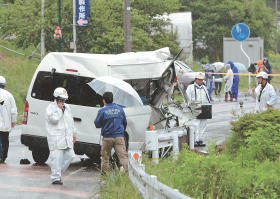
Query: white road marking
{"points": [[74, 172]]}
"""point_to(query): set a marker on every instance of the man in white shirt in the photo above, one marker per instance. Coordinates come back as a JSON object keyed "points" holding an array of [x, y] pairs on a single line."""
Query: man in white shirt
{"points": [[197, 95], [228, 83], [265, 93], [8, 118]]}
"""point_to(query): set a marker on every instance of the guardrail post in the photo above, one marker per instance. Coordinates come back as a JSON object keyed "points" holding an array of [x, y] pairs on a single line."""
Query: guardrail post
{"points": [[155, 156], [175, 145], [191, 138], [152, 193], [151, 141]]}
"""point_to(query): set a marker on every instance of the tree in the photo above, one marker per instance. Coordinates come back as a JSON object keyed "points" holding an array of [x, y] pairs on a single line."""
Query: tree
{"points": [[8, 1], [214, 19], [261, 21], [105, 31]]}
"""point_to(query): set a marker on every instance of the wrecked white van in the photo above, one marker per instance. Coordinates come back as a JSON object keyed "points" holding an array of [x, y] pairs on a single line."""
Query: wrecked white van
{"points": [[150, 73]]}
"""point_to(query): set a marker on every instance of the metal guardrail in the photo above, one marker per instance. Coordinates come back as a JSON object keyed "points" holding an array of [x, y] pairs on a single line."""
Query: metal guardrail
{"points": [[166, 138], [148, 185], [19, 53]]}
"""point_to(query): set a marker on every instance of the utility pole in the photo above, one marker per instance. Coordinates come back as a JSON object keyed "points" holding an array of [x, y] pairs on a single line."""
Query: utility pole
{"points": [[126, 25], [74, 26], [42, 30], [59, 24], [276, 11]]}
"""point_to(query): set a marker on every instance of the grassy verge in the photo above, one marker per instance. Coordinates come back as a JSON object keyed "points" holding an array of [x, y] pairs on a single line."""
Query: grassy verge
{"points": [[118, 186], [18, 71]]}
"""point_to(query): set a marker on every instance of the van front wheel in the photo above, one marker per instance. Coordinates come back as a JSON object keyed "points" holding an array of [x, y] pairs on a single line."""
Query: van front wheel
{"points": [[40, 155]]}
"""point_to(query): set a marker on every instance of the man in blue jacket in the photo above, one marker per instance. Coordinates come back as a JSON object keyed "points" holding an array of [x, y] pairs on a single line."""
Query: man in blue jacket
{"points": [[209, 79], [235, 84], [267, 68], [112, 121]]}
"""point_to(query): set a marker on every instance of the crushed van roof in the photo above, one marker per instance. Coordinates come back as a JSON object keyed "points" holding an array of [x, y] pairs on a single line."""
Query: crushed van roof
{"points": [[132, 65]]}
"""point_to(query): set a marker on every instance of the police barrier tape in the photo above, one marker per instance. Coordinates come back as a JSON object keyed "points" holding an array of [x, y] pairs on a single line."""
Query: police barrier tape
{"points": [[241, 74], [148, 185]]}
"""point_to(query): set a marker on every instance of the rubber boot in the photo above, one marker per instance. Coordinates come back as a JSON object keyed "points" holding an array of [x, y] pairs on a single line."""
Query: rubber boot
{"points": [[226, 97], [231, 98]]}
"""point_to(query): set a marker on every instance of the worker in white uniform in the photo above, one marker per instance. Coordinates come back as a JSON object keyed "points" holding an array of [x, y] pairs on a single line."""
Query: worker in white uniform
{"points": [[228, 78], [264, 93], [197, 95], [60, 134], [8, 118]]}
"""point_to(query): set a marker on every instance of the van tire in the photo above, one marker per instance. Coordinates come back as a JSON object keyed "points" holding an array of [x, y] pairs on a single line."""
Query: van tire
{"points": [[40, 155], [95, 158]]}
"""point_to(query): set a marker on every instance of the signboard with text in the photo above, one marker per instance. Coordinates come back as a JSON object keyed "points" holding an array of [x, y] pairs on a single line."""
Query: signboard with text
{"points": [[82, 12]]}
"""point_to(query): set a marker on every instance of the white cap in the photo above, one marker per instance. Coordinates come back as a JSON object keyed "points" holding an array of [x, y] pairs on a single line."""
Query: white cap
{"points": [[199, 75], [262, 75], [60, 93], [2, 80]]}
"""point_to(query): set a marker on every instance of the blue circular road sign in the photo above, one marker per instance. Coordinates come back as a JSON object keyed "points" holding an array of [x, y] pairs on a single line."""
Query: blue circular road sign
{"points": [[240, 32]]}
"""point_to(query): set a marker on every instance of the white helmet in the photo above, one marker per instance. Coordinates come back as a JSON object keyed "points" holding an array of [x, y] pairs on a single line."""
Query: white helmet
{"points": [[206, 67], [2, 80], [262, 75], [200, 75], [60, 93], [227, 67]]}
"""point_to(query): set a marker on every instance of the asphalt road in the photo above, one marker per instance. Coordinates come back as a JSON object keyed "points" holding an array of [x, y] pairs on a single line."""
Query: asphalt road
{"points": [[33, 181], [218, 128]]}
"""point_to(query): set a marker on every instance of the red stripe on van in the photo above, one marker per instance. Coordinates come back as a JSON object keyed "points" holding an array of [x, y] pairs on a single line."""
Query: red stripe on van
{"points": [[71, 70]]}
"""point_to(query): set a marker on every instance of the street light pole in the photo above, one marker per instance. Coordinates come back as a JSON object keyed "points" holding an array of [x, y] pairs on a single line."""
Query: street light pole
{"points": [[276, 11], [59, 24], [126, 25], [42, 30], [74, 26]]}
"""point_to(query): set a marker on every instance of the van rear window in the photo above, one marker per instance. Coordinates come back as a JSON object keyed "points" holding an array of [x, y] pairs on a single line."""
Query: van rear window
{"points": [[79, 92]]}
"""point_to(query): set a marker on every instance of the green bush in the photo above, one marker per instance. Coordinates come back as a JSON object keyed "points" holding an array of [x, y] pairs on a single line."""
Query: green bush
{"points": [[274, 60], [257, 135]]}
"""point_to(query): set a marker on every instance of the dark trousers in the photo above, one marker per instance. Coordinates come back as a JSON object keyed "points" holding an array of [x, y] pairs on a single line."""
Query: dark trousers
{"points": [[5, 144], [218, 87]]}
